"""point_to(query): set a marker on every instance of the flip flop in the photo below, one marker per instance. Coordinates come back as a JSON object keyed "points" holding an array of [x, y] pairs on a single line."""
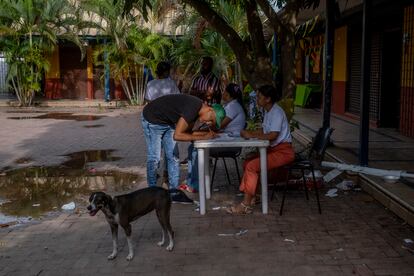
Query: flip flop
{"points": [[241, 209]]}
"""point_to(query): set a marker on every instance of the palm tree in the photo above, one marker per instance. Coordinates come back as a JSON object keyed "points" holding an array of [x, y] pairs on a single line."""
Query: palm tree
{"points": [[128, 48], [29, 32]]}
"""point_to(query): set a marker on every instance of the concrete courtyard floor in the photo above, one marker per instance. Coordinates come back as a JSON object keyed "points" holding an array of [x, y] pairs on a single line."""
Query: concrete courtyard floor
{"points": [[354, 235]]}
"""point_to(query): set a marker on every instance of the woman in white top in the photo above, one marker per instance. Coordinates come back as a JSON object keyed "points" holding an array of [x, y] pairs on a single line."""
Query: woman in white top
{"points": [[232, 124], [235, 119], [275, 128]]}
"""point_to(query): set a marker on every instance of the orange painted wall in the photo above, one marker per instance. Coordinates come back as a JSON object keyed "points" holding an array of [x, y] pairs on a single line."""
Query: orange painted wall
{"points": [[52, 77], [89, 72], [339, 71]]}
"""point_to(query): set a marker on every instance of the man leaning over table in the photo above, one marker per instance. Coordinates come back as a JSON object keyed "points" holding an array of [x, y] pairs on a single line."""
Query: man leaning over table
{"points": [[169, 119]]}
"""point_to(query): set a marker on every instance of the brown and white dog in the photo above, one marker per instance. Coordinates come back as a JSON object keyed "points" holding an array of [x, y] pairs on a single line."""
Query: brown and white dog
{"points": [[123, 209]]}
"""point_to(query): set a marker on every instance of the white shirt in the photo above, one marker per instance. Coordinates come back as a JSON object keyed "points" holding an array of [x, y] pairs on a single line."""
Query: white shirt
{"points": [[275, 121], [238, 119], [160, 87]]}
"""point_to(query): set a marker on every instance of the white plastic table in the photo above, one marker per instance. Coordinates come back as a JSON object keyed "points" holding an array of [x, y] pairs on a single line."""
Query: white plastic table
{"points": [[204, 180]]}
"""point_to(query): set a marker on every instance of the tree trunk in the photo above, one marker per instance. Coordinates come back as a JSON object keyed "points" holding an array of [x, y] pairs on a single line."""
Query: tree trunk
{"points": [[257, 74], [288, 65], [253, 59]]}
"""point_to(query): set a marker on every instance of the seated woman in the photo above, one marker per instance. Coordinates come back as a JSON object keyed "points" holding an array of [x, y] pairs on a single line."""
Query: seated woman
{"points": [[232, 124], [280, 152]]}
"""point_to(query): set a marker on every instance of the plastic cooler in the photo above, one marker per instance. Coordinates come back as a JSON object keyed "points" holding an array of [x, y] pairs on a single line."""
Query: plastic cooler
{"points": [[303, 92]]}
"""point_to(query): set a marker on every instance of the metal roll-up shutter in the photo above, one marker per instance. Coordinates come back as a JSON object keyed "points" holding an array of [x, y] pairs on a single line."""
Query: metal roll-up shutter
{"points": [[375, 82], [354, 72]]}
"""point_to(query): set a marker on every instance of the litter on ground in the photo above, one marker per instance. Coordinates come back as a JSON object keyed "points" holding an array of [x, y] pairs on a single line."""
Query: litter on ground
{"points": [[345, 185], [241, 232], [332, 193], [288, 240], [69, 206]]}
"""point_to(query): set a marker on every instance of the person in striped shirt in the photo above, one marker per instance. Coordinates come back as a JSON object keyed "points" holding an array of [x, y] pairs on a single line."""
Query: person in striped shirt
{"points": [[206, 85]]}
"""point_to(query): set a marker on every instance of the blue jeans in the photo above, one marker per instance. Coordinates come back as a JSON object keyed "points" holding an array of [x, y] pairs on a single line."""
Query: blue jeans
{"points": [[192, 174], [157, 136]]}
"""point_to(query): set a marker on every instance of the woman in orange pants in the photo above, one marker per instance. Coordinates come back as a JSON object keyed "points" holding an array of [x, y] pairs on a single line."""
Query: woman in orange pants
{"points": [[275, 128]]}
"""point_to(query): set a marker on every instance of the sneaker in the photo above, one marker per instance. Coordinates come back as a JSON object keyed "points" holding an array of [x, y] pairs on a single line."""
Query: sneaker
{"points": [[185, 187], [178, 196]]}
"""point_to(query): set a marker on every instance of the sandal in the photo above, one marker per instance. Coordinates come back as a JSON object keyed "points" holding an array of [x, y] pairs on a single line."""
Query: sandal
{"points": [[240, 209], [255, 201]]}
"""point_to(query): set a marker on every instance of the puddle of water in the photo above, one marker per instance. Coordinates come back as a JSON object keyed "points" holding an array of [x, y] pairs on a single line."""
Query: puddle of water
{"points": [[60, 116], [34, 191], [79, 160], [25, 111], [23, 160]]}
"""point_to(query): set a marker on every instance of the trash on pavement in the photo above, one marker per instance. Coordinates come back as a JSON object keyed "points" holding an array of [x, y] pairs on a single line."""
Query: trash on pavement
{"points": [[241, 232], [332, 193], [69, 206], [318, 174], [331, 175], [345, 185], [288, 240], [408, 245], [36, 205]]}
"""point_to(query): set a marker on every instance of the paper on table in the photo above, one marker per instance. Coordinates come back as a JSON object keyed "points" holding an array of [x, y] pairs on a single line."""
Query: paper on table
{"points": [[223, 137]]}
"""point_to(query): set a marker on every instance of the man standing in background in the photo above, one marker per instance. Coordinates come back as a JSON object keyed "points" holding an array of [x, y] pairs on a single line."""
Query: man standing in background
{"points": [[206, 85], [161, 86]]}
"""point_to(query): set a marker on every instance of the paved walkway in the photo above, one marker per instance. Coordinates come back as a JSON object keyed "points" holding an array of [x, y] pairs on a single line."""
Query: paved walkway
{"points": [[354, 235], [388, 149]]}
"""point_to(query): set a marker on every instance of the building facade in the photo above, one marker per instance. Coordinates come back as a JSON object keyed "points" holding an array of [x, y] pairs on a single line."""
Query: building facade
{"points": [[392, 63]]}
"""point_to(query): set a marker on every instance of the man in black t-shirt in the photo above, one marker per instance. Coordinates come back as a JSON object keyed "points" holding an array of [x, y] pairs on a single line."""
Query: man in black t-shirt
{"points": [[169, 119]]}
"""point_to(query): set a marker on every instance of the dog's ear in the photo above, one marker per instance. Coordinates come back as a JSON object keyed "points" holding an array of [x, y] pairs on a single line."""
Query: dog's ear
{"points": [[106, 199], [91, 197]]}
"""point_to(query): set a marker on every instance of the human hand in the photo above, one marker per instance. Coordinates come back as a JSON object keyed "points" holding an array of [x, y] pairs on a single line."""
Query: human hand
{"points": [[210, 135], [245, 134]]}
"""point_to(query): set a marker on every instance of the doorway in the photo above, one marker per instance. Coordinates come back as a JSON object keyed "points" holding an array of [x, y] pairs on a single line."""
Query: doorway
{"points": [[390, 84], [73, 73]]}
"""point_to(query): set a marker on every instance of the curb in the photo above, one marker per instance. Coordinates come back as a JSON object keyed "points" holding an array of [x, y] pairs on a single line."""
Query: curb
{"points": [[390, 201]]}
